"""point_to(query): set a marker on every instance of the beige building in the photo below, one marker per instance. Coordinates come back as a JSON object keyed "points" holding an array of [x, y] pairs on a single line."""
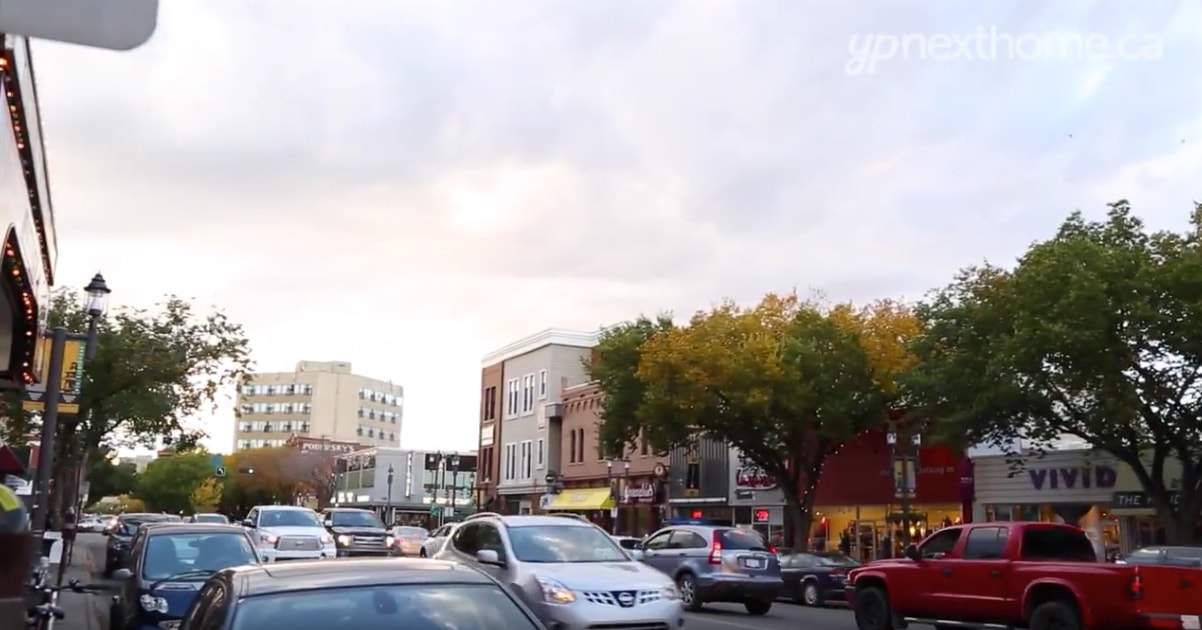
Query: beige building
{"points": [[320, 399]]}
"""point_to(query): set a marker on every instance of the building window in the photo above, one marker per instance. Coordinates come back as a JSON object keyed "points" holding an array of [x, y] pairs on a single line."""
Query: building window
{"points": [[527, 394], [539, 460], [511, 455], [580, 445], [527, 447], [511, 405], [572, 452], [542, 384], [359, 431]]}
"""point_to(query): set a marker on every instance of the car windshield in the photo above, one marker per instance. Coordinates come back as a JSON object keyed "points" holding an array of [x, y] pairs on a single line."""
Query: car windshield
{"points": [[288, 518], [173, 554], [412, 532], [211, 518], [416, 607], [356, 519], [742, 541], [837, 560], [562, 543]]}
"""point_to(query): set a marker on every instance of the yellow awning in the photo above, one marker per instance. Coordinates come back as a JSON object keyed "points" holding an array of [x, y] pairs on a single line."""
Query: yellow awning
{"points": [[582, 499]]}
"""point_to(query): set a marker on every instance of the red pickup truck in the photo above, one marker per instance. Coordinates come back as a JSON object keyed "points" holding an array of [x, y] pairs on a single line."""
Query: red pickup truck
{"points": [[1035, 575]]}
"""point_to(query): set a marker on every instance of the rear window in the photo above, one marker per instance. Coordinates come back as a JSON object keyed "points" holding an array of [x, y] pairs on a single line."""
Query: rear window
{"points": [[741, 540], [1057, 544]]}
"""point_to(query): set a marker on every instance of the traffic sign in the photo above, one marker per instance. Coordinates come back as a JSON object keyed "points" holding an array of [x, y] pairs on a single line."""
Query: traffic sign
{"points": [[220, 472]]}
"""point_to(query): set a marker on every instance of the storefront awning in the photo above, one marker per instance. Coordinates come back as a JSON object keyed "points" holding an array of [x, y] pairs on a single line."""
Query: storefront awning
{"points": [[582, 499]]}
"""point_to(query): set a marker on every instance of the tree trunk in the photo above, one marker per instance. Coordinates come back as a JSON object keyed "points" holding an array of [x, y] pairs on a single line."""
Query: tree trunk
{"points": [[798, 515]]}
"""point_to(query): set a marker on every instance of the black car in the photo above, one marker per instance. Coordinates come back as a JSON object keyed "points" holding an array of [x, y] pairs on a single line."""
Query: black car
{"points": [[357, 532], [168, 563], [1176, 556], [815, 578], [116, 552], [357, 595]]}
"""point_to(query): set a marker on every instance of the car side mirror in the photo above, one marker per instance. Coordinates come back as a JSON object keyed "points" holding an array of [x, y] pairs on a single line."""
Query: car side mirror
{"points": [[912, 553], [122, 574], [489, 556], [247, 522]]}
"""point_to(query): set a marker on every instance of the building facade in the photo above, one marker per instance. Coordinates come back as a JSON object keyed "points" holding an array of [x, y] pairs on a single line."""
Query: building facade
{"points": [[319, 399], [491, 382], [859, 498], [421, 480], [621, 492], [699, 482], [756, 498], [27, 218], [535, 371]]}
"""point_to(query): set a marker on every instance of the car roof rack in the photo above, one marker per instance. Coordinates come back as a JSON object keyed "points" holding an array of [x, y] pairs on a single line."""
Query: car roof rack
{"points": [[479, 515], [569, 515]]}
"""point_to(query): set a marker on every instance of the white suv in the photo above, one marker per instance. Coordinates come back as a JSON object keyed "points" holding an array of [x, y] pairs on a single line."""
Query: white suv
{"points": [[287, 532]]}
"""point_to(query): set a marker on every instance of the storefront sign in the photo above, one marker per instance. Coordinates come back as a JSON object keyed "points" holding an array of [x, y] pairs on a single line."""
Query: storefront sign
{"points": [[1137, 500], [762, 515], [1073, 477], [638, 493], [753, 478]]}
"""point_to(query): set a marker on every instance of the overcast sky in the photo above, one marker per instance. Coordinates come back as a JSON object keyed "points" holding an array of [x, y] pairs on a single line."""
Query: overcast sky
{"points": [[409, 186]]}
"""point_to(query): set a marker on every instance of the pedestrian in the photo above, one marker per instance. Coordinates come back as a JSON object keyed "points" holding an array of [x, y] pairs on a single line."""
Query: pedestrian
{"points": [[886, 546], [845, 543]]}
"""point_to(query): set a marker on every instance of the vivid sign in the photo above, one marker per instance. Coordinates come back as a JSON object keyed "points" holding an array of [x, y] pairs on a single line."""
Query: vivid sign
{"points": [[1073, 477], [753, 478]]}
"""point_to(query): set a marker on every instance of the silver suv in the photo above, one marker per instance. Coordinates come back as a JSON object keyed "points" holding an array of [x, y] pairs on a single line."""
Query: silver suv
{"points": [[716, 564], [570, 572]]}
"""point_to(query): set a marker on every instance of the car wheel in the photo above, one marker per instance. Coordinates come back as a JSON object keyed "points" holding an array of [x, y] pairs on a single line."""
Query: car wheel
{"points": [[689, 597], [115, 618], [872, 609], [810, 595], [758, 606], [1055, 616]]}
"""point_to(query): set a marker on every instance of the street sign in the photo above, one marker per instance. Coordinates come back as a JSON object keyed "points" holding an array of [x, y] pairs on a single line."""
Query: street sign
{"points": [[112, 24], [216, 463], [70, 383], [435, 510], [220, 472]]}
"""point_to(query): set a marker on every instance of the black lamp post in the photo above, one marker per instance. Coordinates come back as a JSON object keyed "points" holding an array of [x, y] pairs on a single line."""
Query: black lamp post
{"points": [[98, 297], [388, 504]]}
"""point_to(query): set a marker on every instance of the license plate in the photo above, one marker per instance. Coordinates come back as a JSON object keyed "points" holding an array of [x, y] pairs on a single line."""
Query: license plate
{"points": [[753, 563], [1191, 622]]}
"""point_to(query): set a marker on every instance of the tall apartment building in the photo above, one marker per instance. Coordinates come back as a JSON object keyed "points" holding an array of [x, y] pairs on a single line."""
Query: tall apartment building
{"points": [[521, 414], [320, 399]]}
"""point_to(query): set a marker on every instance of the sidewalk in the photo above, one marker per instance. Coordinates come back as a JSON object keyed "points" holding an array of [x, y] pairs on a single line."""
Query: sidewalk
{"points": [[84, 611]]}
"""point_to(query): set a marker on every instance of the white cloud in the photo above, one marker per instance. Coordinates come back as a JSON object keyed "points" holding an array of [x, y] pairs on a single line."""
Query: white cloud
{"points": [[409, 185]]}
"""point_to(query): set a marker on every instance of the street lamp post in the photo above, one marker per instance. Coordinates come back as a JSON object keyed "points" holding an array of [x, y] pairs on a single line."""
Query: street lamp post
{"points": [[388, 500], [454, 481]]}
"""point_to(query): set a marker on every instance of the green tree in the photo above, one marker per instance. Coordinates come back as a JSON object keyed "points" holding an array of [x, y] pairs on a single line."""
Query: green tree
{"points": [[206, 496], [269, 475], [108, 479], [153, 369], [1096, 334], [786, 382], [168, 482]]}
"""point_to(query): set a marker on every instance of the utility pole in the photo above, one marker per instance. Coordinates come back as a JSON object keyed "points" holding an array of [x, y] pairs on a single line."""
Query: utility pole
{"points": [[454, 479], [49, 428], [388, 503]]}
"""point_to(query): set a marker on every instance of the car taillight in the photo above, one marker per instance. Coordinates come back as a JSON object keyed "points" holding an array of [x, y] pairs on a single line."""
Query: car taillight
{"points": [[716, 550], [1137, 586], [772, 549]]}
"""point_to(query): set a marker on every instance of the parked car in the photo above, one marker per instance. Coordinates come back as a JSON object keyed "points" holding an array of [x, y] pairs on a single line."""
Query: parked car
{"points": [[211, 517], [409, 540], [90, 524], [1176, 556], [168, 562], [357, 532], [568, 571], [633, 546], [287, 532], [437, 540], [814, 579], [116, 550], [358, 595], [716, 564], [1037, 575]]}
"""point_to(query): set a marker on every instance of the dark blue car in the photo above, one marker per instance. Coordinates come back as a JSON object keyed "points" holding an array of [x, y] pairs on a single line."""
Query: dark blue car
{"points": [[814, 579], [168, 563]]}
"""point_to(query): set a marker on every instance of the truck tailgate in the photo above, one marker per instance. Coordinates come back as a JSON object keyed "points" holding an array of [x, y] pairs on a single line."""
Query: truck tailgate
{"points": [[1172, 597]]}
